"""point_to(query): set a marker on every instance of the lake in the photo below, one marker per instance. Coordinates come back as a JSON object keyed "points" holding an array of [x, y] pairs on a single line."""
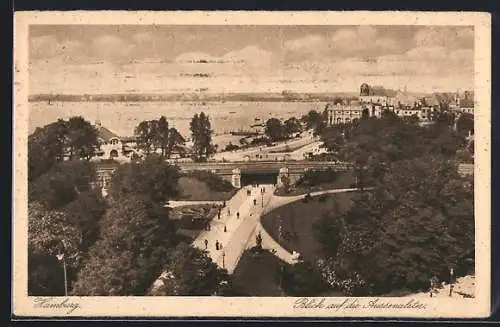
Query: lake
{"points": [[123, 117]]}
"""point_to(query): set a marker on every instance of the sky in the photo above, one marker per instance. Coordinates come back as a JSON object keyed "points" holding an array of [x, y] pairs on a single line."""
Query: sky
{"points": [[103, 59]]}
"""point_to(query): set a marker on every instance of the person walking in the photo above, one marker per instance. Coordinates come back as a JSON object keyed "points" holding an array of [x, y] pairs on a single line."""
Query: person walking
{"points": [[225, 229], [238, 215], [217, 245], [206, 244], [218, 215], [254, 202]]}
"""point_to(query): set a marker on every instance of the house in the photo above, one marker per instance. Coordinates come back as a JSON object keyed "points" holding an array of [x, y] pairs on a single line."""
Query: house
{"points": [[112, 146]]}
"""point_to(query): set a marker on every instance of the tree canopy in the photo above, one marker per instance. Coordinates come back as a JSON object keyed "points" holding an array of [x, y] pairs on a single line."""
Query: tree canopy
{"points": [[62, 183], [156, 134], [190, 271], [135, 238], [74, 138], [416, 222], [201, 132], [153, 178]]}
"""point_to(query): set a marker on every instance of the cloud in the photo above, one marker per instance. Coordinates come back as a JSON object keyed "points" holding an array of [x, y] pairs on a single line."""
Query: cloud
{"points": [[308, 43], [49, 47], [110, 46], [449, 37], [143, 37], [251, 55], [248, 56], [359, 41], [427, 53]]}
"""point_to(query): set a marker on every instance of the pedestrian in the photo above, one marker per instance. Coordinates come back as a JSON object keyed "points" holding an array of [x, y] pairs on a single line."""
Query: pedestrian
{"points": [[217, 245], [218, 215], [225, 229], [237, 215], [206, 244], [224, 203], [228, 212], [254, 202]]}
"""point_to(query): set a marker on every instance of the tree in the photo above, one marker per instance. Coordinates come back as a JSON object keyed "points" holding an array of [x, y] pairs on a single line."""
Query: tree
{"points": [[190, 271], [162, 135], [147, 135], [465, 124], [51, 233], [45, 274], [46, 147], [202, 136], [81, 138], [85, 212], [153, 178], [313, 119], [274, 129], [291, 126], [409, 228], [303, 279], [135, 238], [62, 184]]}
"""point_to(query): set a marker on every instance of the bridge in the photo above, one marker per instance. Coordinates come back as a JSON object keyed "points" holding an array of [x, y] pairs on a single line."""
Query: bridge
{"points": [[242, 173]]}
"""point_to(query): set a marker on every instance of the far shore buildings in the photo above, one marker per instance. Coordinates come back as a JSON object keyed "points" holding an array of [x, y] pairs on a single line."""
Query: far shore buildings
{"points": [[372, 101]]}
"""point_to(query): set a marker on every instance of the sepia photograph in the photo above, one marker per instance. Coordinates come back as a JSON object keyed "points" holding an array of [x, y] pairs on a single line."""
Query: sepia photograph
{"points": [[319, 165]]}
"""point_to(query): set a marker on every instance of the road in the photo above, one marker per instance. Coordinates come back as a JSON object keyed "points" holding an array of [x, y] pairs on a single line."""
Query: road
{"points": [[266, 151], [234, 232], [241, 232]]}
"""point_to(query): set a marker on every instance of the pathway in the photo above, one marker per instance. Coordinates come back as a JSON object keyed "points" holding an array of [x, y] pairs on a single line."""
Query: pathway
{"points": [[176, 204], [278, 201], [233, 232]]}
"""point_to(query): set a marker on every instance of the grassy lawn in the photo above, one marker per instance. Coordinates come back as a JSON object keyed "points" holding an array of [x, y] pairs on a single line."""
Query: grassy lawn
{"points": [[298, 221], [196, 190], [345, 180], [257, 274]]}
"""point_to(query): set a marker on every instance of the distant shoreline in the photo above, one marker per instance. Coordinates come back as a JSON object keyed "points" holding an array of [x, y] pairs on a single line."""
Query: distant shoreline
{"points": [[232, 97]]}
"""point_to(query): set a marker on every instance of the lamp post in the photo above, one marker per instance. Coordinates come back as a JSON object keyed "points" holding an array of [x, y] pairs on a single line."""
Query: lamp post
{"points": [[60, 257], [451, 281], [223, 260], [262, 197], [280, 231]]}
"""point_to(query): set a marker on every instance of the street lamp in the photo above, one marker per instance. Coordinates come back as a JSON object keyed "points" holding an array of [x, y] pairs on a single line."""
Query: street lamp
{"points": [[223, 260], [60, 257], [262, 197]]}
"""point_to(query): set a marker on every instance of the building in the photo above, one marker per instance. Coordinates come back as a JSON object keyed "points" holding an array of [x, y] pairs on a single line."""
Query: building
{"points": [[463, 103], [345, 112], [112, 146], [376, 95]]}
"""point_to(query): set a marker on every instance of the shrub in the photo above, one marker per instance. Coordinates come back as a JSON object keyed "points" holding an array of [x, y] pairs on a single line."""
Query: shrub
{"points": [[231, 147], [303, 279], [318, 177], [213, 182]]}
